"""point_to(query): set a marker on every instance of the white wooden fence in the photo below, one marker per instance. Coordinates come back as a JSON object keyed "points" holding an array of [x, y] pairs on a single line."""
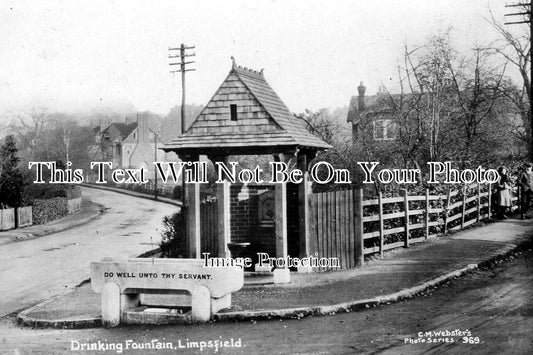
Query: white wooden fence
{"points": [[7, 219], [345, 225]]}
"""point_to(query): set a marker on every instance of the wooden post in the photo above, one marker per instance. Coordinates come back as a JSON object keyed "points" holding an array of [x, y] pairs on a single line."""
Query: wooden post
{"points": [[342, 210], [490, 202], [358, 228], [351, 233], [313, 221], [156, 134], [478, 202], [446, 211], [330, 198], [406, 207], [280, 192], [464, 207], [223, 223], [320, 229], [521, 200], [427, 213], [337, 251], [303, 208], [380, 197], [193, 220]]}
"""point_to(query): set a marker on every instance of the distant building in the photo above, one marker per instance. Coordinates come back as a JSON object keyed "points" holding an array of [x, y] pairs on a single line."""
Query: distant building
{"points": [[111, 139], [372, 113], [130, 145], [138, 149]]}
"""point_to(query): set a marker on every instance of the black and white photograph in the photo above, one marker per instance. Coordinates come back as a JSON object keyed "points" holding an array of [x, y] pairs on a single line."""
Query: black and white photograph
{"points": [[266, 177]]}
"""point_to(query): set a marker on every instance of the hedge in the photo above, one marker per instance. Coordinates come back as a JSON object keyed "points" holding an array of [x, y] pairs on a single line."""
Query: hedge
{"points": [[48, 210]]}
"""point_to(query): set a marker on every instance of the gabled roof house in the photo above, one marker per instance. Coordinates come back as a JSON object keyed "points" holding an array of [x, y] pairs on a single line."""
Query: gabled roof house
{"points": [[373, 110]]}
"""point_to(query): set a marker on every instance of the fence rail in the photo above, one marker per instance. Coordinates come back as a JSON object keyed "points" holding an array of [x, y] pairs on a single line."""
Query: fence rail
{"points": [[333, 225], [24, 216], [19, 217], [74, 205], [345, 226], [7, 219]]}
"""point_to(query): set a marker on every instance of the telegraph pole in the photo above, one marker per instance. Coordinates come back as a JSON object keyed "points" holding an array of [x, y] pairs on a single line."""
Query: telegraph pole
{"points": [[156, 137], [182, 69], [525, 12]]}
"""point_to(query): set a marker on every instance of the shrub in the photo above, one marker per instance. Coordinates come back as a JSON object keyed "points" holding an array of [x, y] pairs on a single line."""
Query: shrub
{"points": [[11, 179], [48, 210], [48, 191], [173, 242]]}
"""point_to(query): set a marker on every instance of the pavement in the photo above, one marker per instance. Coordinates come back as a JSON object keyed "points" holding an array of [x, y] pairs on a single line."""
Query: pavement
{"points": [[89, 210], [401, 273], [134, 193]]}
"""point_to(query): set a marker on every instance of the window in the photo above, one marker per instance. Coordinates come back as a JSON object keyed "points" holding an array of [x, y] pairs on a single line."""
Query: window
{"points": [[233, 112], [384, 130]]}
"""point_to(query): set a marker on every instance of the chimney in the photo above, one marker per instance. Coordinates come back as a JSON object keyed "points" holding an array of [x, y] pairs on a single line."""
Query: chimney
{"points": [[142, 129], [361, 89]]}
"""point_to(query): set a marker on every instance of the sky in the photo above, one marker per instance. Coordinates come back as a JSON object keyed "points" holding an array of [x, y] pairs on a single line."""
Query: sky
{"points": [[78, 56]]}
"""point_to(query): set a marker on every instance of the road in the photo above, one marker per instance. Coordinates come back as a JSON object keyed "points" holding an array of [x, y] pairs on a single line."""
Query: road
{"points": [[495, 306], [35, 270]]}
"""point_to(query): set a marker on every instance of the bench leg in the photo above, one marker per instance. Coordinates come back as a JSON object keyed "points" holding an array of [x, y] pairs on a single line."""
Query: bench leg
{"points": [[220, 303], [201, 304], [282, 276], [110, 305]]}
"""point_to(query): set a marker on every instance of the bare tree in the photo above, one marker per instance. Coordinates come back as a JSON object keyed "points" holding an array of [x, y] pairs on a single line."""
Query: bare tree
{"points": [[477, 87], [448, 108], [29, 127], [428, 75], [517, 50], [321, 124], [47, 136]]}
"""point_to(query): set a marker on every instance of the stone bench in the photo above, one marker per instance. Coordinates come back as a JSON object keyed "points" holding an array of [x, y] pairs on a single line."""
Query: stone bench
{"points": [[122, 282]]}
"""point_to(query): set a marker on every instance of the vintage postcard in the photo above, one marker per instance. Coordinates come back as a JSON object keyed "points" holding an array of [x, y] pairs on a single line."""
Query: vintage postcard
{"points": [[266, 177]]}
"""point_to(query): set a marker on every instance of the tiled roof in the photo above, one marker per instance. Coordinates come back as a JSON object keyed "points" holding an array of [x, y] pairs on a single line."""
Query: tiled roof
{"points": [[285, 131], [123, 128], [370, 102], [293, 126], [374, 104]]}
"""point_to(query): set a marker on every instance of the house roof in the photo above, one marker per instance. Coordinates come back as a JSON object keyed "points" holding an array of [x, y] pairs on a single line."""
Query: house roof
{"points": [[126, 129], [123, 129], [381, 103], [266, 121]]}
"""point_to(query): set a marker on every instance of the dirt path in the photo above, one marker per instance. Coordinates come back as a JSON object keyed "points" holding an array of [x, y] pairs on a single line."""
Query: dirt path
{"points": [[494, 307], [35, 270]]}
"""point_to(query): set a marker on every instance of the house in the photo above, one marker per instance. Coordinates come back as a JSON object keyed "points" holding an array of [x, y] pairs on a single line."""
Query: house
{"points": [[131, 144], [111, 139], [138, 149], [374, 113]]}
